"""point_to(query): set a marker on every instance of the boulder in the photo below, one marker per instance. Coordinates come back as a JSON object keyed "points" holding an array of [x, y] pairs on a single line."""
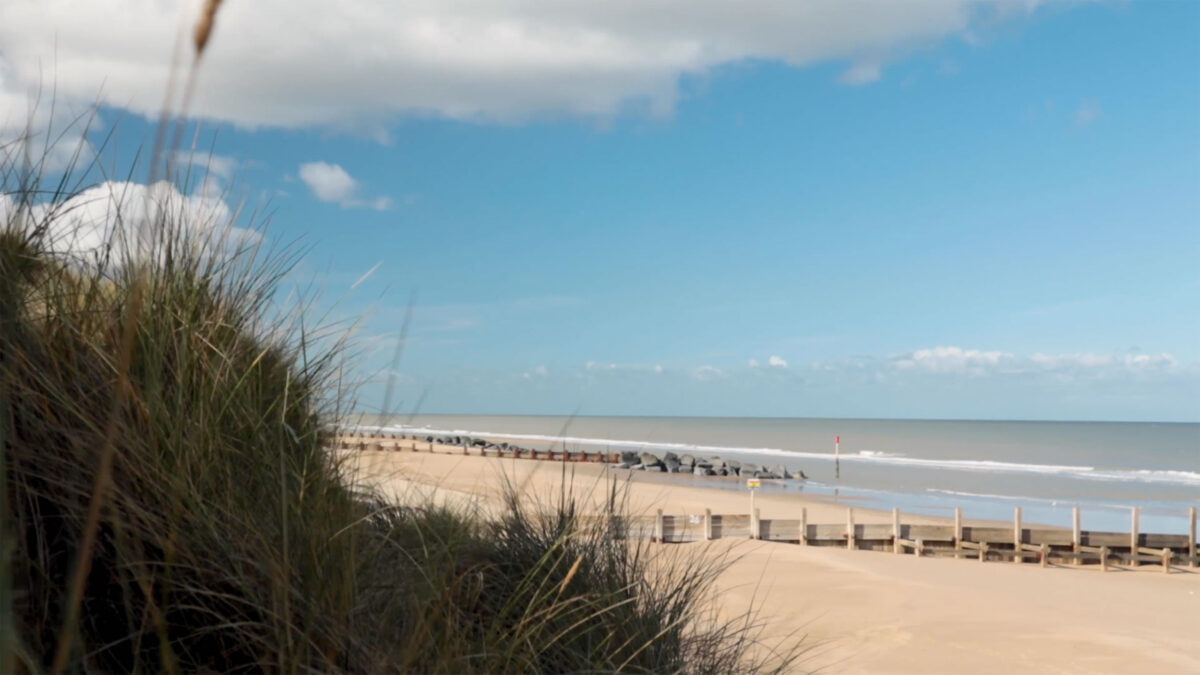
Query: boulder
{"points": [[687, 460], [764, 474], [650, 459], [702, 470], [672, 464], [656, 468], [748, 469], [801, 476], [630, 457], [669, 457], [734, 466], [781, 471]]}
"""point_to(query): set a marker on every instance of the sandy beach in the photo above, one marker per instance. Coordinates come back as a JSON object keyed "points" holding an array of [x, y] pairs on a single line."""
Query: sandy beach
{"points": [[860, 611]]}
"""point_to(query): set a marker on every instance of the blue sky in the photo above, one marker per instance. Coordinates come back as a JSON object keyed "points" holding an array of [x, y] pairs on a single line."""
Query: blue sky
{"points": [[993, 212]]}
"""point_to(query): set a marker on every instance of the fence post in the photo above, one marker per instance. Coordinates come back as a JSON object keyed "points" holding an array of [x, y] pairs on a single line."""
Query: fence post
{"points": [[919, 549], [754, 531], [1133, 537], [982, 551], [850, 529], [1103, 558], [957, 531], [1017, 535], [1076, 537], [658, 526], [895, 530], [804, 527], [1044, 554], [1192, 537], [1166, 555], [707, 524]]}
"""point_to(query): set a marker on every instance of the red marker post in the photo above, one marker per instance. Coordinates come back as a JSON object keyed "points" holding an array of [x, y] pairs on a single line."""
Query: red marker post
{"points": [[837, 457]]}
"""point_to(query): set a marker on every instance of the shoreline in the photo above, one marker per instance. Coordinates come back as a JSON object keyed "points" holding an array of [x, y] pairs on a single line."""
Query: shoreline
{"points": [[985, 482]]}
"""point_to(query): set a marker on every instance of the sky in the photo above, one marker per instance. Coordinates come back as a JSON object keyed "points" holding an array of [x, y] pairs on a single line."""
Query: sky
{"points": [[944, 209]]}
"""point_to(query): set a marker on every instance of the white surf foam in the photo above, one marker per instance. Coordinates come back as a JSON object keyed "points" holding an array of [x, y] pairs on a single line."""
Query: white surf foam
{"points": [[1164, 477]]}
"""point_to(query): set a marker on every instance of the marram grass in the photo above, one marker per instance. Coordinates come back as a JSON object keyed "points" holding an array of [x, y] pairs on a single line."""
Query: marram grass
{"points": [[168, 503]]}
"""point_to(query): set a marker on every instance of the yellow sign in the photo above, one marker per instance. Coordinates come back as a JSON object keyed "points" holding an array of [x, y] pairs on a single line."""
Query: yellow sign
{"points": [[752, 483]]}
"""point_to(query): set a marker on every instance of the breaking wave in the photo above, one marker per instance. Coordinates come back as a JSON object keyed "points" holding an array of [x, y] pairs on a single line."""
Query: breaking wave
{"points": [[1157, 476]]}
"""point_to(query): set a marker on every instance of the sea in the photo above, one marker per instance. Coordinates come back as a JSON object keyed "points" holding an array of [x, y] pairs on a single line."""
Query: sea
{"points": [[986, 468]]}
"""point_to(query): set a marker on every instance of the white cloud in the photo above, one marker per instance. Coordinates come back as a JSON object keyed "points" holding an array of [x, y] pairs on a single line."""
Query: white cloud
{"points": [[1086, 113], [860, 74], [536, 372], [594, 367], [53, 132], [125, 216], [753, 363], [213, 165], [331, 183], [358, 65], [952, 360], [328, 182], [705, 373], [977, 363], [777, 362]]}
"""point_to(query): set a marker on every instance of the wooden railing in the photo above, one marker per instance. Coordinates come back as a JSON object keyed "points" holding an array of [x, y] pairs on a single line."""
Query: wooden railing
{"points": [[1016, 543]]}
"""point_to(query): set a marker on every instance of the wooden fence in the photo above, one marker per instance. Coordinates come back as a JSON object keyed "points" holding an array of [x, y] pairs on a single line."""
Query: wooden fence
{"points": [[1015, 543]]}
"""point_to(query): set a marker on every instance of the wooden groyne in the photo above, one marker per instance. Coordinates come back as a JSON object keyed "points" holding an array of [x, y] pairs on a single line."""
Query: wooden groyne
{"points": [[378, 442], [1015, 543]]}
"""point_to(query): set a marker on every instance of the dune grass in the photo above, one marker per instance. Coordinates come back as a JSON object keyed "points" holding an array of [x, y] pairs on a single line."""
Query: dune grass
{"points": [[169, 503]]}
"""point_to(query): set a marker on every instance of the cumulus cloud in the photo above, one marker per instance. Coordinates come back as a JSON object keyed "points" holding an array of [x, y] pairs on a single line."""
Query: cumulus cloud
{"points": [[124, 217], [358, 65], [331, 183], [777, 362]]}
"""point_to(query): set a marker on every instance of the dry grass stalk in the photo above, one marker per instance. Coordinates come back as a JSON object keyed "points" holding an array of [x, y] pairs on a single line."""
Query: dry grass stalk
{"points": [[204, 27]]}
